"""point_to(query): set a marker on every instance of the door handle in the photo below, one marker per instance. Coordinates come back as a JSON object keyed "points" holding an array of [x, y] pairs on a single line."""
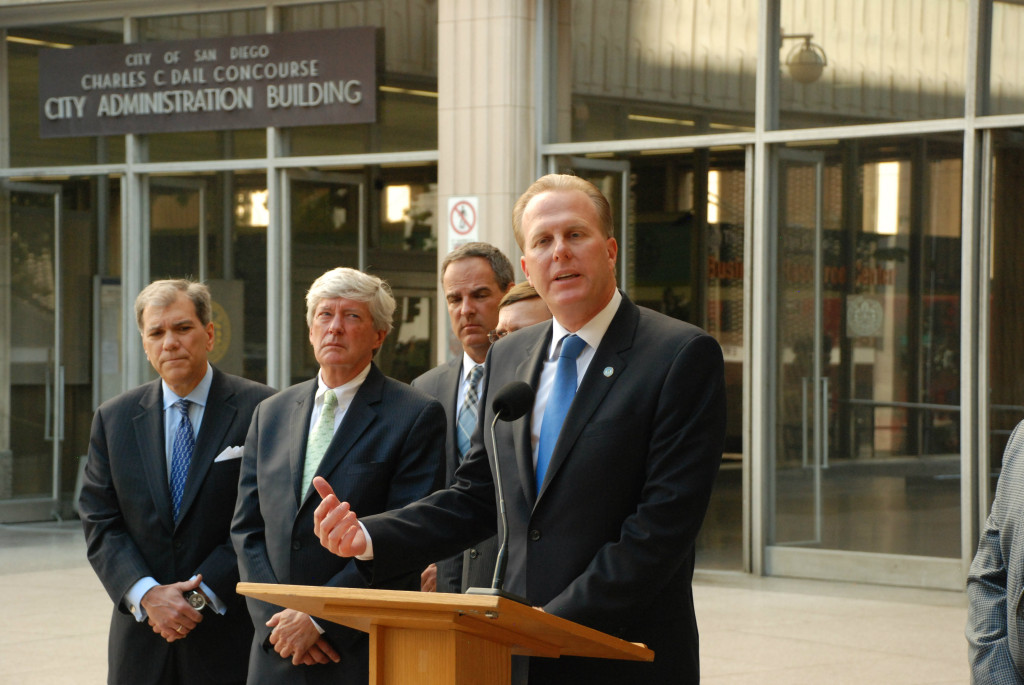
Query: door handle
{"points": [[60, 403], [48, 412], [824, 422]]}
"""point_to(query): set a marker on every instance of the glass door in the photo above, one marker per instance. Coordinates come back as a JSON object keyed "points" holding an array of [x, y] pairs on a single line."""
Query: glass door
{"points": [[866, 456], [325, 215], [333, 220], [804, 351], [30, 473]]}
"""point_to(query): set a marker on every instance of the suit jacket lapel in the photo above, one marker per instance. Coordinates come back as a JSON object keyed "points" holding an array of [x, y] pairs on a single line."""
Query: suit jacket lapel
{"points": [[528, 371], [298, 430], [359, 415], [218, 415], [450, 397], [605, 368], [149, 439]]}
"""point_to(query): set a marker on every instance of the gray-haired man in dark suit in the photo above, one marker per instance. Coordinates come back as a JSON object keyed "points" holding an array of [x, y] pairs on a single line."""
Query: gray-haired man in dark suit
{"points": [[373, 438]]}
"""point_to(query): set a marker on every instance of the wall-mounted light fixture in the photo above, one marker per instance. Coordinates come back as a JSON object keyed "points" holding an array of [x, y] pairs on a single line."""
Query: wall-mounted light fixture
{"points": [[806, 60]]}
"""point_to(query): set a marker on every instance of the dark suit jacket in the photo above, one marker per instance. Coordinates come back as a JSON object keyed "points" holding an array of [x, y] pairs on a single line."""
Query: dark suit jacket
{"points": [[475, 566], [125, 507], [386, 453], [609, 541]]}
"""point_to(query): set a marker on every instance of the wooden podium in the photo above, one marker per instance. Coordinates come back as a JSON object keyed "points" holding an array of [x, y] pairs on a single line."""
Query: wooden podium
{"points": [[429, 638]]}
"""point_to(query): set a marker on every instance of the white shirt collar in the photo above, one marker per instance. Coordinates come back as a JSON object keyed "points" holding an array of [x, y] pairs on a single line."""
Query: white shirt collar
{"points": [[342, 391], [592, 332], [467, 366], [199, 394]]}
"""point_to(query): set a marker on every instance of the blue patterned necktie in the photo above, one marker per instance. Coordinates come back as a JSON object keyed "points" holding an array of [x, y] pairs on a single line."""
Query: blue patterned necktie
{"points": [[562, 392], [467, 415], [181, 455], [319, 438]]}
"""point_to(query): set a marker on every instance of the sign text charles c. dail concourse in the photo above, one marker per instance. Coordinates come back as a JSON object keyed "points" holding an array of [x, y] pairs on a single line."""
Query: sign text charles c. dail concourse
{"points": [[305, 78]]}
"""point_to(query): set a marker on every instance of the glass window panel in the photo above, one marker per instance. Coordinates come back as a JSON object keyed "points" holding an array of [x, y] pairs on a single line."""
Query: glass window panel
{"points": [[23, 48], [213, 227], [1006, 75], [1005, 284], [200, 145], [868, 406], [389, 214], [407, 90], [653, 69], [882, 61]]}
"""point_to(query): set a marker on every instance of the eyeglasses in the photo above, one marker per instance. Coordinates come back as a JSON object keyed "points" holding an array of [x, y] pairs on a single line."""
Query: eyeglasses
{"points": [[496, 335]]}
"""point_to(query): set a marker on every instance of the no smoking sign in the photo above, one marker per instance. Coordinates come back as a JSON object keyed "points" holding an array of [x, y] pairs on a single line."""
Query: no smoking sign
{"points": [[463, 226]]}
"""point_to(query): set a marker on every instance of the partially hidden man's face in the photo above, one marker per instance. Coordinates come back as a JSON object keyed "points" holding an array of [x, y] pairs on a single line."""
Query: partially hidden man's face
{"points": [[343, 338], [566, 255], [176, 343], [472, 293], [520, 314]]}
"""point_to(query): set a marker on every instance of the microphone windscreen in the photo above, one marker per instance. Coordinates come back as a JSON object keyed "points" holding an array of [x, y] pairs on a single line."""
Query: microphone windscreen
{"points": [[513, 401]]}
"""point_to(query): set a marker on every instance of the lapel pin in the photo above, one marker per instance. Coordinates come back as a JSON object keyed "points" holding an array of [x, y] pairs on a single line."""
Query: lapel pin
{"points": [[608, 371]]}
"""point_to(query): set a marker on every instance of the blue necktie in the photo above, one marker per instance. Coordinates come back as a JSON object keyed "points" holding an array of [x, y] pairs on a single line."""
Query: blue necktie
{"points": [[467, 415], [181, 455], [561, 396]]}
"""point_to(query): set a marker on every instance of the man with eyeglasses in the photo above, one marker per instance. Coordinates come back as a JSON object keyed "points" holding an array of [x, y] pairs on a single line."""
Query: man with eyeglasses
{"points": [[474, 276]]}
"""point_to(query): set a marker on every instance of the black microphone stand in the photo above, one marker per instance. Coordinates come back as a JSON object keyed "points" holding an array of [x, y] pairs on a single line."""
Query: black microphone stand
{"points": [[498, 581]]}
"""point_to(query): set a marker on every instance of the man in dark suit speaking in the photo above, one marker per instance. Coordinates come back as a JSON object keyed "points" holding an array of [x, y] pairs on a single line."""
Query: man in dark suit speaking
{"points": [[607, 480], [157, 499], [374, 439]]}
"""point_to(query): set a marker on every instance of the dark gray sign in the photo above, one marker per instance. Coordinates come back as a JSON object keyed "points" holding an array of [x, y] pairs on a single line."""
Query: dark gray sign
{"points": [[305, 78]]}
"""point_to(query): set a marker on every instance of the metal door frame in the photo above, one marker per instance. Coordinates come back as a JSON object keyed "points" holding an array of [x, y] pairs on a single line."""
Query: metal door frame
{"points": [[814, 390], [34, 508]]}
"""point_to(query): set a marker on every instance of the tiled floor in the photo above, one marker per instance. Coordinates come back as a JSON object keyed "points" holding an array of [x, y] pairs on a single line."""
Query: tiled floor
{"points": [[757, 631]]}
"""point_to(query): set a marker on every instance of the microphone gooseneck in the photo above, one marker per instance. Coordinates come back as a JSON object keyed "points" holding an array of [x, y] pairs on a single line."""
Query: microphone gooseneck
{"points": [[512, 402]]}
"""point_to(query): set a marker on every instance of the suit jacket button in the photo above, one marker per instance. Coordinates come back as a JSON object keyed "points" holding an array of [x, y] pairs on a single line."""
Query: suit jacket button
{"points": [[177, 544], [535, 535], [296, 545], [473, 554]]}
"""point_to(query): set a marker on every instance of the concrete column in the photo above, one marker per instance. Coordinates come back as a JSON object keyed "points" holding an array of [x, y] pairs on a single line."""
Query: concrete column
{"points": [[485, 117]]}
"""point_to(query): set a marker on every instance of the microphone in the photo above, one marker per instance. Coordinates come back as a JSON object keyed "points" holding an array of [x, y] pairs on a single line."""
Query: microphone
{"points": [[512, 402]]}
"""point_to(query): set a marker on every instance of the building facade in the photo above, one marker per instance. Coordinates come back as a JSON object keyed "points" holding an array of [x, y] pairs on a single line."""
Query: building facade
{"points": [[826, 187]]}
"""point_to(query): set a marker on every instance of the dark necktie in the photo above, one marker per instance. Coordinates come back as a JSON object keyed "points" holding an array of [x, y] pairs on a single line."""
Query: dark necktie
{"points": [[467, 415], [562, 392], [181, 455]]}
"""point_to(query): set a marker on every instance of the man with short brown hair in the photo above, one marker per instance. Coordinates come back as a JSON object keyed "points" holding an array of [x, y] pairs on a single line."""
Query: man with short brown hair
{"points": [[606, 480]]}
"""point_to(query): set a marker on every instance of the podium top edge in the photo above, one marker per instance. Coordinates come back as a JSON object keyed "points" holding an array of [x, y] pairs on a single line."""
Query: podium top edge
{"points": [[356, 607]]}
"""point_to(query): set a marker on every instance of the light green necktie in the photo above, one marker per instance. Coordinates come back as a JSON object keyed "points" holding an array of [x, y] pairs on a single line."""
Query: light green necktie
{"points": [[319, 439]]}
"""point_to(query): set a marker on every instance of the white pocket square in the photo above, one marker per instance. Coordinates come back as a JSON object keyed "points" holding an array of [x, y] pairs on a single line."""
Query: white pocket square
{"points": [[228, 454]]}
